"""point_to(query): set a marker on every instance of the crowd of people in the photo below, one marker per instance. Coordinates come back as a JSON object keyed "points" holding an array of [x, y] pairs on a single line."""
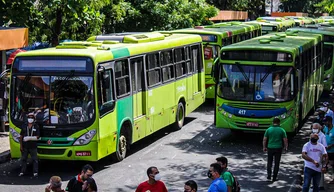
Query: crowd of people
{"points": [[318, 155], [318, 152], [222, 180]]}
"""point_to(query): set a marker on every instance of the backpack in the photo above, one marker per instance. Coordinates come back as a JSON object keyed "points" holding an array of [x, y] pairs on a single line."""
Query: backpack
{"points": [[236, 184]]}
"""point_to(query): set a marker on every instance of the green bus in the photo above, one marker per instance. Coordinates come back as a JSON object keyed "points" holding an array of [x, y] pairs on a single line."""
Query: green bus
{"points": [[268, 27], [94, 99], [276, 75], [328, 50], [214, 37], [287, 23], [299, 20]]}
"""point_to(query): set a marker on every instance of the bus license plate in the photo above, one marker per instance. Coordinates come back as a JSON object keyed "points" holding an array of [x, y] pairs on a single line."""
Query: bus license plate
{"points": [[83, 153], [252, 124]]}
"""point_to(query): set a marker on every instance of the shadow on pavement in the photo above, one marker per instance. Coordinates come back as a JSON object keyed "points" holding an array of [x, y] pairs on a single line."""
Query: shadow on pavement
{"points": [[67, 169]]}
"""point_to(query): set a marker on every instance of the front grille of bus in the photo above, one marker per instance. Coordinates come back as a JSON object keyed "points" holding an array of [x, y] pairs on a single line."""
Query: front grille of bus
{"points": [[55, 142], [254, 106], [56, 133], [51, 151], [261, 125]]}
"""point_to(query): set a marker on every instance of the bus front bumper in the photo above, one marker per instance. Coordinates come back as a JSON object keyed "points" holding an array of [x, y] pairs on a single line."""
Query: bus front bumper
{"points": [[80, 153], [250, 124]]}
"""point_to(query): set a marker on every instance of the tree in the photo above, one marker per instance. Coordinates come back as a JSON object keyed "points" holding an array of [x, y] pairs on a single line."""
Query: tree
{"points": [[326, 6], [255, 8], [305, 6], [150, 15]]}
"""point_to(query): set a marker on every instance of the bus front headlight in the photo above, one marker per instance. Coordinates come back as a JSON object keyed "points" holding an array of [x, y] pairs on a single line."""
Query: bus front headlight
{"points": [[15, 135], [85, 138]]}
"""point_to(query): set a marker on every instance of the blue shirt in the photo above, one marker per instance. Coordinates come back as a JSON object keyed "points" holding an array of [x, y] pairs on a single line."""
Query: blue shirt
{"points": [[218, 185], [329, 138]]}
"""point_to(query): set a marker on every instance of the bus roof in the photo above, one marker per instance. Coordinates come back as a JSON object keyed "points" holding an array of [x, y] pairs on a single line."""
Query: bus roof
{"points": [[314, 29], [291, 42], [109, 50]]}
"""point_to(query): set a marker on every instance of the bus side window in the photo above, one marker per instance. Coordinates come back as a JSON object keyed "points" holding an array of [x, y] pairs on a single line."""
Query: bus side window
{"points": [[122, 78], [153, 69], [106, 97], [180, 64], [187, 58], [167, 65]]}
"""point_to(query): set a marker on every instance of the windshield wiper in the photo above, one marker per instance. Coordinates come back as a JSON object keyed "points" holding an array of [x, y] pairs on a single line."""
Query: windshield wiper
{"points": [[242, 71], [271, 69]]}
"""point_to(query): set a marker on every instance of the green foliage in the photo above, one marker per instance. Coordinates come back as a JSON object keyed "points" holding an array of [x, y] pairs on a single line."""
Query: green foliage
{"points": [[306, 6], [255, 8], [54, 20], [326, 6]]}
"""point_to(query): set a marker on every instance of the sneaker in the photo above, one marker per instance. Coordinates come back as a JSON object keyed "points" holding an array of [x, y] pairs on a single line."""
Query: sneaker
{"points": [[322, 188], [21, 174], [35, 174], [275, 179], [268, 179]]}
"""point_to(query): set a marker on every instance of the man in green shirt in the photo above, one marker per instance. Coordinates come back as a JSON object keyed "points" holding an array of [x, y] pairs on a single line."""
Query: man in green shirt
{"points": [[226, 175], [273, 144]]}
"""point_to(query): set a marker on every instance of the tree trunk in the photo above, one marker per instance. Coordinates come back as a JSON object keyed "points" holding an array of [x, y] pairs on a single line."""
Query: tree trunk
{"points": [[57, 29]]}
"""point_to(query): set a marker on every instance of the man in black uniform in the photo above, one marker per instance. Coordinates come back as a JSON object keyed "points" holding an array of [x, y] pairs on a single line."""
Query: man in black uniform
{"points": [[28, 144]]}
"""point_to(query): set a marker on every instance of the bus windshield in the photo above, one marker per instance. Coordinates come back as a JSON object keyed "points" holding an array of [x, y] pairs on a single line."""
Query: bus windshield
{"points": [[55, 100], [256, 83]]}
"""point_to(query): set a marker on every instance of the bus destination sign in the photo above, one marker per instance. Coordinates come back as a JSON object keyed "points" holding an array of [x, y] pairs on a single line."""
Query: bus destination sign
{"points": [[209, 38]]}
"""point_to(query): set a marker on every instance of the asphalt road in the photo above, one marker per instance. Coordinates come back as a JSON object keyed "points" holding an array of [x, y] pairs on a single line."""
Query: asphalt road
{"points": [[179, 156]]}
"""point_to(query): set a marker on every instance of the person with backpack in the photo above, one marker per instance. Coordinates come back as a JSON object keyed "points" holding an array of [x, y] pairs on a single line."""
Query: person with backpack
{"points": [[230, 180]]}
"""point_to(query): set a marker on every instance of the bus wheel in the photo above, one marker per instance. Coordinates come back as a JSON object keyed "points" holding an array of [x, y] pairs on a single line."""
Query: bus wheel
{"points": [[180, 113], [120, 154]]}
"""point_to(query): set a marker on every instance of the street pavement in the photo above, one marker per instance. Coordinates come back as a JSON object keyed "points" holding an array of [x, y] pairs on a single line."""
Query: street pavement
{"points": [[180, 156]]}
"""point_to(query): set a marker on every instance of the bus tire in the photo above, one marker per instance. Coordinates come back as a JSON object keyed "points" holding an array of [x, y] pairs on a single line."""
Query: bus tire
{"points": [[120, 153], [179, 117]]}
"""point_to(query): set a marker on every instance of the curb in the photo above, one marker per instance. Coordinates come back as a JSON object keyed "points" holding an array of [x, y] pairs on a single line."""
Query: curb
{"points": [[4, 156]]}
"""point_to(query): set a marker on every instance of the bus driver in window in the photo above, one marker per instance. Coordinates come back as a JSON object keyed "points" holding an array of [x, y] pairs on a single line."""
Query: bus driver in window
{"points": [[277, 85]]}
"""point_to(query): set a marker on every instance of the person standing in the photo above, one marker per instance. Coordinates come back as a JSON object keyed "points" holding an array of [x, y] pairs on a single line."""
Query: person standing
{"points": [[218, 184], [316, 128], [28, 144], [153, 184], [315, 159], [76, 183], [225, 174], [54, 185], [273, 144], [329, 133], [190, 186]]}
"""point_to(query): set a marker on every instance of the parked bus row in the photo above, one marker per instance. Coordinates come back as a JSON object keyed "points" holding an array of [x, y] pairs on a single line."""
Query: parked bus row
{"points": [[95, 98]]}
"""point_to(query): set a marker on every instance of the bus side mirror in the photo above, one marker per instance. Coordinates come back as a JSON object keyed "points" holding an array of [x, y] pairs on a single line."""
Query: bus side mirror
{"points": [[215, 70]]}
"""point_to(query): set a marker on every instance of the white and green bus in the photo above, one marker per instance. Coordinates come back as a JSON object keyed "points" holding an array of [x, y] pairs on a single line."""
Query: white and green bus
{"points": [[94, 99]]}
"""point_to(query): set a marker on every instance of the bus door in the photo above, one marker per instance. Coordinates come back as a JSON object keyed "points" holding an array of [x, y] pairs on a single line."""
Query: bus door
{"points": [[197, 64], [190, 74], [106, 105], [139, 99]]}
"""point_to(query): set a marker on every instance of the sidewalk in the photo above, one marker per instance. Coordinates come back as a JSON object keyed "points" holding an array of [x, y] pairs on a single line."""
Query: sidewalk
{"points": [[4, 147]]}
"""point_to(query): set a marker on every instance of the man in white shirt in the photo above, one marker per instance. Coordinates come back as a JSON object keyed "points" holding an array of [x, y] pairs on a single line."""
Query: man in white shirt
{"points": [[327, 110], [315, 159], [316, 128]]}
